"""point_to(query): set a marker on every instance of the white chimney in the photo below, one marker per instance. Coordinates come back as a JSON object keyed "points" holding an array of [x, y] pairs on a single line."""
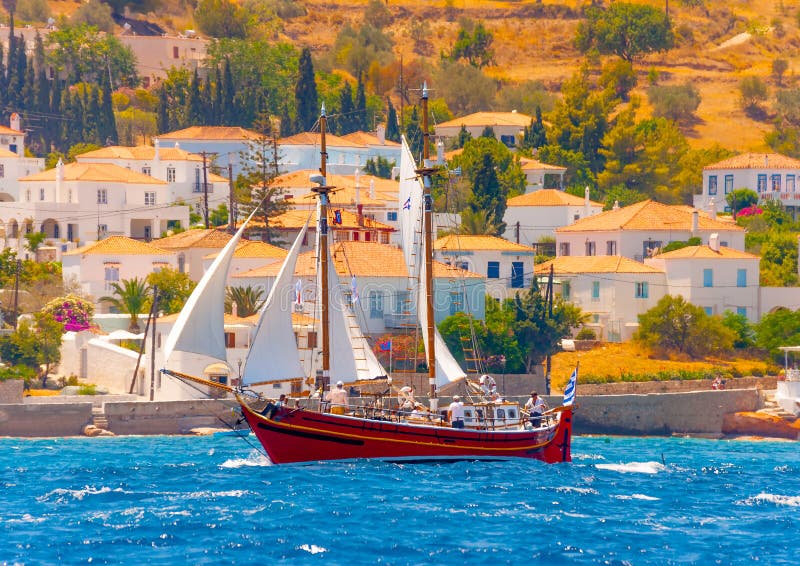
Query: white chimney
{"points": [[13, 122], [372, 189], [59, 179], [712, 209], [695, 222], [713, 242], [616, 205], [440, 151], [177, 145], [157, 145], [587, 210], [381, 133], [358, 186], [234, 309]]}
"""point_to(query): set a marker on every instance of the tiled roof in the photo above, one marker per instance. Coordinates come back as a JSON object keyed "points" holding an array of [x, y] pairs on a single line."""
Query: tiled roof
{"points": [[97, 172], [232, 133], [532, 164], [294, 220], [313, 138], [705, 252], [120, 245], [756, 161], [593, 264], [368, 138], [360, 259], [647, 215], [139, 153], [549, 197], [300, 180], [9, 132], [489, 119], [460, 242], [253, 249], [210, 239]]}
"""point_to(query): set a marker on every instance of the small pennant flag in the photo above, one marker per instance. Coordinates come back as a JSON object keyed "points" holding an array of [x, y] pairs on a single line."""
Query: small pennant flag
{"points": [[354, 289], [337, 216], [386, 345], [407, 204], [569, 391], [298, 293]]}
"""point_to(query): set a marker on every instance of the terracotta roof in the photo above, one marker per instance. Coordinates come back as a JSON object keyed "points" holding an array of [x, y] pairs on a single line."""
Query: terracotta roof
{"points": [[756, 161], [300, 180], [460, 242], [313, 138], [594, 264], [368, 138], [647, 215], [5, 153], [120, 245], [549, 197], [294, 220], [253, 249], [97, 172], [705, 252], [139, 153], [229, 319], [9, 132], [532, 164], [211, 239], [233, 133], [360, 259], [489, 119]]}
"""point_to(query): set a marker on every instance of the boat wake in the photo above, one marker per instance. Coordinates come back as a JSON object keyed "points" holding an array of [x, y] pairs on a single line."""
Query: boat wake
{"points": [[254, 459], [637, 496], [781, 500], [61, 495], [312, 548], [633, 467]]}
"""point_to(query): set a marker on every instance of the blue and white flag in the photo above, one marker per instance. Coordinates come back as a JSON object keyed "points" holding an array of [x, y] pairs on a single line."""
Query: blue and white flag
{"points": [[569, 391], [354, 290], [407, 204], [298, 293]]}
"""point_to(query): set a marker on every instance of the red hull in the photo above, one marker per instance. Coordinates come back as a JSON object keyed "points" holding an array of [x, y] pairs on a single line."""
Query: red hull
{"points": [[298, 435]]}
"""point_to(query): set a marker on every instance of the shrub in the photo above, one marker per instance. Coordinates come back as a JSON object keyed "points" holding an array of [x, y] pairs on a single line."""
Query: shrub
{"points": [[586, 333], [676, 103], [16, 372], [87, 390]]}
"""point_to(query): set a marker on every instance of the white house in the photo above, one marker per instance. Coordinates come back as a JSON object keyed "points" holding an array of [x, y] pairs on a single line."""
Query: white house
{"points": [[346, 155], [96, 266], [714, 277], [13, 163], [507, 266], [224, 143], [639, 230], [772, 175], [508, 127], [249, 254], [535, 174], [612, 290], [81, 202], [191, 246], [533, 216], [157, 54]]}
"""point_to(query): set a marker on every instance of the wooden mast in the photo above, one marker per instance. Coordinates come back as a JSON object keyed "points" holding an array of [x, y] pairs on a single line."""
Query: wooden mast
{"points": [[322, 191], [426, 171]]}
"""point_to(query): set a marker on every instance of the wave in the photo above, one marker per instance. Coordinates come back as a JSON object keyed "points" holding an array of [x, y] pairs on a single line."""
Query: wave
{"points": [[255, 458], [633, 467], [312, 548], [77, 494], [638, 496], [782, 500]]}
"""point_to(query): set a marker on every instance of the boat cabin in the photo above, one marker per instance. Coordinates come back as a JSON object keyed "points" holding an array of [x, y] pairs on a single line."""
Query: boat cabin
{"points": [[491, 416]]}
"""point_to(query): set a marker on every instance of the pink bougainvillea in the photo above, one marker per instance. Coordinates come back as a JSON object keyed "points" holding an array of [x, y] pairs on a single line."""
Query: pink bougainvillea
{"points": [[72, 311], [753, 210]]}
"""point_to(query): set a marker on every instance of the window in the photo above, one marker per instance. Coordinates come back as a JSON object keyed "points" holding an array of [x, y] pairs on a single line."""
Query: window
{"points": [[642, 291], [565, 290], [508, 141], [384, 237], [2, 170], [375, 304], [712, 184], [181, 263], [651, 247], [708, 278], [709, 310], [41, 194], [145, 170], [391, 216], [28, 195], [591, 248], [789, 183], [517, 275], [741, 310], [150, 198], [111, 276], [69, 195], [776, 183], [102, 230], [741, 278], [611, 247], [595, 290], [312, 339], [230, 340], [463, 265], [456, 303], [493, 270], [563, 248], [728, 183], [175, 52], [170, 174], [102, 196], [762, 183]]}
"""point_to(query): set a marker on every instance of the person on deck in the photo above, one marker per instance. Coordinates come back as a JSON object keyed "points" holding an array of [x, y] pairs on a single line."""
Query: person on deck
{"points": [[338, 399], [536, 408], [455, 412], [489, 387], [405, 400], [281, 400]]}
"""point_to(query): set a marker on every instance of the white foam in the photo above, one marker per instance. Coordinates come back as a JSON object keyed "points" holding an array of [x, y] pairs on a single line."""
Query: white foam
{"points": [[638, 496], [785, 500], [580, 490], [255, 458], [633, 467], [312, 548], [78, 494]]}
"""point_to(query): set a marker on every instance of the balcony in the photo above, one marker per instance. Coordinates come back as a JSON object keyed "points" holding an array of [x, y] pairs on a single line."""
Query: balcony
{"points": [[399, 320], [197, 187]]}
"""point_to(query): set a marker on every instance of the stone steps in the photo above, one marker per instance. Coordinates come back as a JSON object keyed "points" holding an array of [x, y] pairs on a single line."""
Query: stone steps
{"points": [[99, 418]]}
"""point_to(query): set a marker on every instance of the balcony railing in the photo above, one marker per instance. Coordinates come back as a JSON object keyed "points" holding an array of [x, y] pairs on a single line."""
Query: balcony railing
{"points": [[197, 187]]}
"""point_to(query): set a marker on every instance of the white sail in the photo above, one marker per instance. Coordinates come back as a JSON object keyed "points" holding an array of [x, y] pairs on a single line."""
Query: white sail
{"points": [[273, 352], [410, 218], [200, 325]]}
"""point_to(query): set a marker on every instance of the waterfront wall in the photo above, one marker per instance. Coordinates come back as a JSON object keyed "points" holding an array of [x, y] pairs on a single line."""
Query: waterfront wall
{"points": [[169, 417], [11, 391], [45, 419], [673, 386]]}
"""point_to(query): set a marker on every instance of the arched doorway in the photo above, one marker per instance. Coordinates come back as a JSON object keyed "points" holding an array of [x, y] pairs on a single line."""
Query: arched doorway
{"points": [[51, 229], [218, 373], [12, 230]]}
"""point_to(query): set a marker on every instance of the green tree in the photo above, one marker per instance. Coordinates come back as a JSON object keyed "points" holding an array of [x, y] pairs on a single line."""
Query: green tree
{"points": [[174, 288], [465, 88], [221, 18], [94, 13], [627, 30], [33, 240], [675, 325], [487, 195], [36, 346], [674, 102], [535, 135], [779, 67], [248, 300], [473, 43], [741, 198], [479, 223], [744, 333], [776, 329], [379, 167], [84, 53], [754, 91], [619, 77], [132, 296], [305, 94], [377, 14], [392, 125]]}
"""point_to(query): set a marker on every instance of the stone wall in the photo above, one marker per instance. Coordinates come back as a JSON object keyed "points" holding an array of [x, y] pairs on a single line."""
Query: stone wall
{"points": [[11, 391], [169, 417], [674, 386], [35, 420]]}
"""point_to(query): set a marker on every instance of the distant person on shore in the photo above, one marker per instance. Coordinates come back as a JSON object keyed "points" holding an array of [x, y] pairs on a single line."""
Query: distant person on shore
{"points": [[455, 412], [338, 399], [718, 383], [536, 408]]}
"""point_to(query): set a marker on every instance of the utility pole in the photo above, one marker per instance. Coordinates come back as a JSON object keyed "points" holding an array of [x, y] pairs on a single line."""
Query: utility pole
{"points": [[231, 200], [16, 293], [549, 299], [205, 188], [154, 310], [516, 231]]}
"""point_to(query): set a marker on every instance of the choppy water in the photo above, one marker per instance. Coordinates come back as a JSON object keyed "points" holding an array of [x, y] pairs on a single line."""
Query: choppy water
{"points": [[184, 500]]}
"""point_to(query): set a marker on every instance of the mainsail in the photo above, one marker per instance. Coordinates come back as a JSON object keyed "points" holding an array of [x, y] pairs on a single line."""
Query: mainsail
{"points": [[273, 352], [410, 217], [200, 325]]}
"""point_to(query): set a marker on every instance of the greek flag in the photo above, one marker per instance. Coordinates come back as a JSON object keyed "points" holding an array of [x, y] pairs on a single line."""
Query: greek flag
{"points": [[298, 293], [569, 391], [354, 290], [407, 204]]}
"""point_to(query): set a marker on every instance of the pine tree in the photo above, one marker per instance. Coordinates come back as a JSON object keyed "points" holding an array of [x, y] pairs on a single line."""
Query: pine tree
{"points": [[229, 110], [206, 101], [463, 136], [108, 132], [414, 134], [361, 120], [392, 129], [162, 111], [94, 121], [216, 117], [194, 103], [345, 119], [305, 94], [487, 194]]}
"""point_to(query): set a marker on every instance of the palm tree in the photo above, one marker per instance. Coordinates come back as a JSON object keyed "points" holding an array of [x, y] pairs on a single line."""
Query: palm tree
{"points": [[478, 223], [131, 297], [248, 300]]}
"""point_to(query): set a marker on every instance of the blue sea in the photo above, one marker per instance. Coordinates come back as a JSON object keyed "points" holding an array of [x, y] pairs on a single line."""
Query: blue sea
{"points": [[213, 500]]}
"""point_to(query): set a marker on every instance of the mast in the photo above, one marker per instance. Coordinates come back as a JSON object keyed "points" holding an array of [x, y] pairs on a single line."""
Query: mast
{"points": [[322, 191], [426, 172]]}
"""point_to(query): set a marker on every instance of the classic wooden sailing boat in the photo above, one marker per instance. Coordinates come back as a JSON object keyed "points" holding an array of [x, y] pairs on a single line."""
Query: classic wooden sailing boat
{"points": [[490, 430]]}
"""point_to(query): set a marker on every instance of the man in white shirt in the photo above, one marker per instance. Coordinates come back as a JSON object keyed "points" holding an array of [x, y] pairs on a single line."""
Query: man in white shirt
{"points": [[338, 399], [455, 412], [536, 408]]}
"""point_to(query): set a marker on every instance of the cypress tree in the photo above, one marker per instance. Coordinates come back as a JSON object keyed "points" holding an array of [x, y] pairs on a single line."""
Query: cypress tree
{"points": [[108, 133], [392, 129], [162, 111], [414, 134], [487, 194], [361, 120], [216, 116], [538, 133], [3, 81], [194, 104], [305, 94], [286, 128], [228, 96], [94, 120], [345, 121], [206, 101], [54, 127]]}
